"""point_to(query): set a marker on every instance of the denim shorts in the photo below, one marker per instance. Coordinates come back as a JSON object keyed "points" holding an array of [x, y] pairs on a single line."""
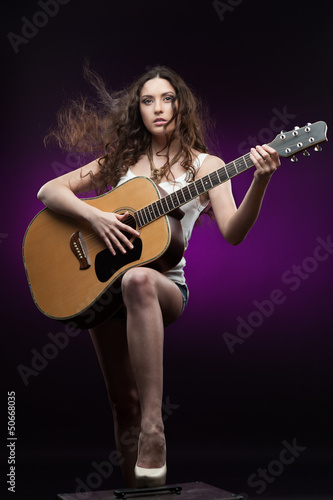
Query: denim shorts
{"points": [[185, 294]]}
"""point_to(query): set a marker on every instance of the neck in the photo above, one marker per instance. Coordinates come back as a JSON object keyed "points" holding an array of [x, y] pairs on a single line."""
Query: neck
{"points": [[161, 144]]}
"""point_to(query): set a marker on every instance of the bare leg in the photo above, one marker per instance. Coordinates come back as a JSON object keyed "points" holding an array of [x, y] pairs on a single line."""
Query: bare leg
{"points": [[110, 343], [151, 301]]}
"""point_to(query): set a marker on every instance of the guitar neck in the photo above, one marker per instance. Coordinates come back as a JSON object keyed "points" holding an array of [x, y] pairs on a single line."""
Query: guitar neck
{"points": [[170, 202]]}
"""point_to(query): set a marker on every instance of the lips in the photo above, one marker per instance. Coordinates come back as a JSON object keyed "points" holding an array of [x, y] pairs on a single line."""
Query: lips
{"points": [[159, 120]]}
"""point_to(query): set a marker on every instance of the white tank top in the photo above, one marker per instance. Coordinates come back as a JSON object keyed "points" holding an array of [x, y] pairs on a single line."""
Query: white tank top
{"points": [[192, 210]]}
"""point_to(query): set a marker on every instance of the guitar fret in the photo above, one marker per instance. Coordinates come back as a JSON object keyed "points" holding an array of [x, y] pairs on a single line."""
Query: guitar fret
{"points": [[247, 159], [154, 209], [225, 170], [206, 182], [188, 195], [150, 215], [162, 211], [241, 164], [214, 179], [178, 201], [222, 172], [164, 205], [192, 190], [151, 212], [145, 218], [230, 170], [169, 199], [199, 186], [140, 218], [174, 199], [137, 221], [146, 214], [158, 204], [143, 215], [183, 200], [202, 184]]}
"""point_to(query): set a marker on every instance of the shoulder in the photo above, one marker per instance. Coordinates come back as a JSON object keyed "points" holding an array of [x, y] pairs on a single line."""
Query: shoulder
{"points": [[210, 164]]}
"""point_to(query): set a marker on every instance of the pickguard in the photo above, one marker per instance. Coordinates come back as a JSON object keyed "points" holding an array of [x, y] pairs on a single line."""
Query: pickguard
{"points": [[106, 264]]}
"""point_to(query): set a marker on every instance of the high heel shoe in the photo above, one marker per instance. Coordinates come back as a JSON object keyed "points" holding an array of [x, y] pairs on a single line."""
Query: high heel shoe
{"points": [[149, 478]]}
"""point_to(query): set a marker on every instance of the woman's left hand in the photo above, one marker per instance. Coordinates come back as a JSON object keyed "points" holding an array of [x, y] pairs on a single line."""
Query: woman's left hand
{"points": [[266, 160]]}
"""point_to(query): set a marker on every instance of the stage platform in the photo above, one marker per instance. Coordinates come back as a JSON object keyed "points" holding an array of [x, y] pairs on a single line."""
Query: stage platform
{"points": [[186, 491]]}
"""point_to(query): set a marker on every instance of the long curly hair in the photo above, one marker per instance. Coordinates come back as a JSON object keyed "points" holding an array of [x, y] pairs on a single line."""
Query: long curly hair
{"points": [[111, 126]]}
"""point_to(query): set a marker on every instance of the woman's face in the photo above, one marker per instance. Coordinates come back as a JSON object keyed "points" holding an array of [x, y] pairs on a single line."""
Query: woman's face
{"points": [[156, 108]]}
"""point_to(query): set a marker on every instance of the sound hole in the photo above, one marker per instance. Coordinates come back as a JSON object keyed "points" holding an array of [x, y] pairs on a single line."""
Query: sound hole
{"points": [[129, 221]]}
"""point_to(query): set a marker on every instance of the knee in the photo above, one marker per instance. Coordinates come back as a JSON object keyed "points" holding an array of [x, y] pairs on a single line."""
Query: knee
{"points": [[138, 283]]}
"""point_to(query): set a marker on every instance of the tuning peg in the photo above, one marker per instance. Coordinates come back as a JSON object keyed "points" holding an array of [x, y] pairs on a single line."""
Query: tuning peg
{"points": [[318, 148], [293, 159], [296, 128], [306, 153], [283, 132], [309, 123]]}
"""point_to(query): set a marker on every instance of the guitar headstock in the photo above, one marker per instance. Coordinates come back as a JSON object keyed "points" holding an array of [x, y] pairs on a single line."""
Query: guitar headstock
{"points": [[300, 139]]}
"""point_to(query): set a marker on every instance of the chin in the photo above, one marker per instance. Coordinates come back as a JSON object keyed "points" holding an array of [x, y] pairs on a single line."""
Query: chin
{"points": [[161, 131]]}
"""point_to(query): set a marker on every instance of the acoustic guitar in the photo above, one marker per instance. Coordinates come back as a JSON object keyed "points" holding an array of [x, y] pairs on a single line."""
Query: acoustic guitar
{"points": [[72, 275]]}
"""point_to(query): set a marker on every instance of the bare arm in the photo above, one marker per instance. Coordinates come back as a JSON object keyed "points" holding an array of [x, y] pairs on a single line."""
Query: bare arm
{"points": [[235, 223], [60, 195]]}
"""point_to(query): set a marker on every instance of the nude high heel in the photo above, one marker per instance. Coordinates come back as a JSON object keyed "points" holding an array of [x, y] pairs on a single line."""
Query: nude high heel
{"points": [[149, 478]]}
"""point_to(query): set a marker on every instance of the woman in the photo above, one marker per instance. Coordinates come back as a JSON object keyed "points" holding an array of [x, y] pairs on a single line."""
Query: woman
{"points": [[150, 130]]}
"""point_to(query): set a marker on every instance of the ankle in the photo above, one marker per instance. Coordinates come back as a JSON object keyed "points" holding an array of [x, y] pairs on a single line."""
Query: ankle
{"points": [[152, 426], [151, 450]]}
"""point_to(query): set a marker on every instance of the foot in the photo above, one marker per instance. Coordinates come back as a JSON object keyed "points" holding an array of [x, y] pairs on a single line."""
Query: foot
{"points": [[150, 470], [151, 450]]}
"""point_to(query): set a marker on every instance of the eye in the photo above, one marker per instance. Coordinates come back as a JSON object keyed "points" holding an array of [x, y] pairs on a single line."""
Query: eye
{"points": [[147, 101]]}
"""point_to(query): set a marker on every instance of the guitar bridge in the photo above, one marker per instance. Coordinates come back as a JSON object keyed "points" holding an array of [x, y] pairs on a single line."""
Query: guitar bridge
{"points": [[79, 249]]}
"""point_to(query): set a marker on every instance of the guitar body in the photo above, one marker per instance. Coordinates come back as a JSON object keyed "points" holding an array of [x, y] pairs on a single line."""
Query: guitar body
{"points": [[73, 277]]}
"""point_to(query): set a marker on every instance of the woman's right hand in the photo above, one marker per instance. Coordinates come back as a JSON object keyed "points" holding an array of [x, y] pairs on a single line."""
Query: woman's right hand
{"points": [[59, 194], [109, 227]]}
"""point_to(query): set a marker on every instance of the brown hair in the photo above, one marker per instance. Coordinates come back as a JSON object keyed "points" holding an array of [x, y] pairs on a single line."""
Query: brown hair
{"points": [[112, 127]]}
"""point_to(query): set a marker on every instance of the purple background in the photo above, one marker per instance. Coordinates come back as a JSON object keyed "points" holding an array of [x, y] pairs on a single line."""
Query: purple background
{"points": [[230, 412]]}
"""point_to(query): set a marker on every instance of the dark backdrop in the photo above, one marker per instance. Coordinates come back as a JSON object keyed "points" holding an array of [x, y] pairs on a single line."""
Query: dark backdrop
{"points": [[230, 406]]}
